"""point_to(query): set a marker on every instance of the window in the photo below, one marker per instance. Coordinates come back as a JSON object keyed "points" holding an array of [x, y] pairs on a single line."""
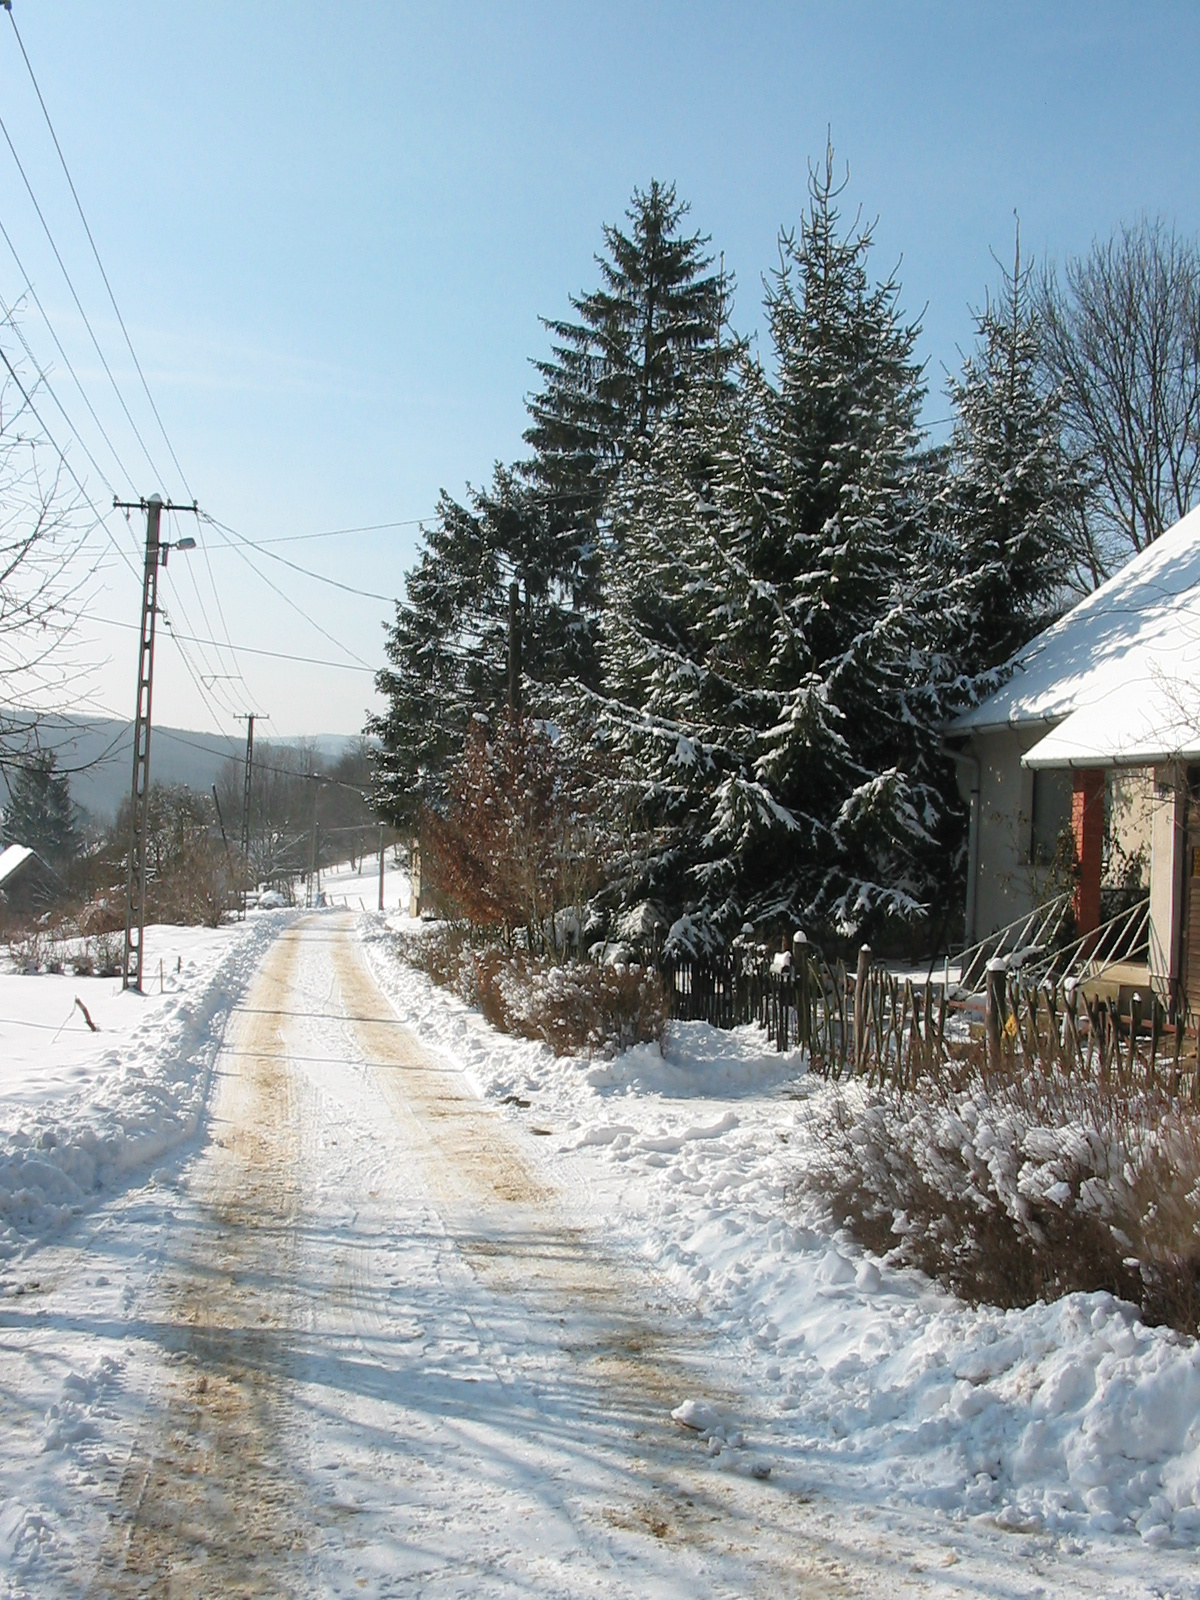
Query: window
{"points": [[1051, 814]]}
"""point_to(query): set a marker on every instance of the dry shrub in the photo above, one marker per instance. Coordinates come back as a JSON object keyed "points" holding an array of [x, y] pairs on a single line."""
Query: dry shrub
{"points": [[572, 1005], [1025, 1190], [27, 949], [198, 886], [511, 848]]}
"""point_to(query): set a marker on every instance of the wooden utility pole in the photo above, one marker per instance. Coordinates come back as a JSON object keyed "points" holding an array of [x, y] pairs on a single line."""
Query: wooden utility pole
{"points": [[135, 880]]}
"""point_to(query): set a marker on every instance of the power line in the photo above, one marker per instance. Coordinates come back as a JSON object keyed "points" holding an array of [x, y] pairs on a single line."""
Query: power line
{"points": [[287, 599], [62, 457], [306, 572], [33, 294], [124, 329], [221, 615], [337, 533], [74, 296], [10, 318], [112, 297], [259, 766], [249, 649]]}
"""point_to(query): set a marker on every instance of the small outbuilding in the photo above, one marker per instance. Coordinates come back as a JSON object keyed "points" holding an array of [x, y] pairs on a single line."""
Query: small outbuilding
{"points": [[27, 882], [1083, 771]]}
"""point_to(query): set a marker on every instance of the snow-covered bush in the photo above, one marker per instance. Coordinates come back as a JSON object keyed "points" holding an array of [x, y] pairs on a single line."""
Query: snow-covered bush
{"points": [[1022, 1190], [572, 1005]]}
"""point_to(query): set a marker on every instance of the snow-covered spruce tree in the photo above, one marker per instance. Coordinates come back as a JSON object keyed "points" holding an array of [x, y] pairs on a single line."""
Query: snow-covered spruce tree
{"points": [[448, 648], [638, 342], [1002, 545], [677, 709], [39, 812], [837, 823], [636, 345], [766, 596]]}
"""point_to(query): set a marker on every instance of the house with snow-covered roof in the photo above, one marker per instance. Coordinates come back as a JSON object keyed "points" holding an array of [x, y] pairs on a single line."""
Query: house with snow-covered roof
{"points": [[1094, 741], [27, 882]]}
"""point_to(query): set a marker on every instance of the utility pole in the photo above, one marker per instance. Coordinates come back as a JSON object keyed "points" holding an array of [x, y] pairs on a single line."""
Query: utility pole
{"points": [[135, 884], [246, 807], [381, 866], [224, 839], [311, 897]]}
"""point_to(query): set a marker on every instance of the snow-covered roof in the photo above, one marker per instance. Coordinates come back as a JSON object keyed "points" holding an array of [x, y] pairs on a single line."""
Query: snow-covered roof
{"points": [[1120, 662], [1144, 723], [12, 857]]}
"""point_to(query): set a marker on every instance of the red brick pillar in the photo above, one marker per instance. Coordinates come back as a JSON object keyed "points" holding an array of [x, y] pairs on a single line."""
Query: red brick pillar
{"points": [[1087, 824]]}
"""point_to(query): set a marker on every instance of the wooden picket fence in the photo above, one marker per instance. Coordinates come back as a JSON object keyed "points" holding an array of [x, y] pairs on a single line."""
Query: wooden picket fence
{"points": [[893, 1030]]}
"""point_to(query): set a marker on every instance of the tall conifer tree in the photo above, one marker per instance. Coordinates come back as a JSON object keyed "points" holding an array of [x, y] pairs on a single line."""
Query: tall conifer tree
{"points": [[639, 341], [1003, 545], [40, 812]]}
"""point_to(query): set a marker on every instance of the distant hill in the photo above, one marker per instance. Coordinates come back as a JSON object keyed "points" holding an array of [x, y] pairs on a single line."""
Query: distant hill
{"points": [[97, 753]]}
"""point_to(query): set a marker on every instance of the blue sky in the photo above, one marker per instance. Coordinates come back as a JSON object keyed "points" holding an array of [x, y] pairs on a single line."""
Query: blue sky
{"points": [[332, 230]]}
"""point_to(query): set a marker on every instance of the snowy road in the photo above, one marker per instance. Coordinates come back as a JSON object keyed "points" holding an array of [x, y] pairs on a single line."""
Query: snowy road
{"points": [[370, 1331], [361, 1346]]}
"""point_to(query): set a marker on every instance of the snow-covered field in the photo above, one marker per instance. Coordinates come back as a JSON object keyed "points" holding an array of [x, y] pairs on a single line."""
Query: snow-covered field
{"points": [[240, 1277]]}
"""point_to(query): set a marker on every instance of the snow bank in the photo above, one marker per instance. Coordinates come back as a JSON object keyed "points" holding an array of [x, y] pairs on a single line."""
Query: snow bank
{"points": [[80, 1109], [1071, 1418]]}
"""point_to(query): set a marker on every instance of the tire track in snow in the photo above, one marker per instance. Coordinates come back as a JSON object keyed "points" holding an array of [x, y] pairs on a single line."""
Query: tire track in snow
{"points": [[630, 1358], [207, 1504]]}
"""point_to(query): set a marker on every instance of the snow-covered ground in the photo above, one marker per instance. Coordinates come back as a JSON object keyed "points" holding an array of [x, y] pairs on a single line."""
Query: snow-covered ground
{"points": [[1067, 1423], [330, 1313], [84, 1108]]}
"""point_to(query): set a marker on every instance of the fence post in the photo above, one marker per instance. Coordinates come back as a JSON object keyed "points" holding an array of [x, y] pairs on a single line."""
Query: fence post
{"points": [[862, 980], [993, 1015], [800, 977]]}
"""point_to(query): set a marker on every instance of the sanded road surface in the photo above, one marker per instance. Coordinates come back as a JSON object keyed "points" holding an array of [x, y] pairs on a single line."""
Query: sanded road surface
{"points": [[378, 1351]]}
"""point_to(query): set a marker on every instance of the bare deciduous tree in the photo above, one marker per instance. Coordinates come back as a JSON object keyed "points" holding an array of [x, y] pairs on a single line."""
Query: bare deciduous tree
{"points": [[46, 573], [1121, 331]]}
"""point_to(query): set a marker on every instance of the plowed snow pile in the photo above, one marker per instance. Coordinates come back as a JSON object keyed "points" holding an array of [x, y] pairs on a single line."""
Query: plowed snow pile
{"points": [[1070, 1419], [81, 1109]]}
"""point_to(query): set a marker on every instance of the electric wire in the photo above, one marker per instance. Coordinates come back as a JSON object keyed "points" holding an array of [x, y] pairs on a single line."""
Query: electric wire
{"points": [[287, 599], [78, 303], [254, 650], [221, 615], [234, 753], [58, 344], [9, 315], [337, 533], [96, 253], [66, 463], [208, 625], [192, 673], [306, 572]]}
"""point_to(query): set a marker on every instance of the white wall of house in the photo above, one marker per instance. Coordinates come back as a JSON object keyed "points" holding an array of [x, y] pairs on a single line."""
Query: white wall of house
{"points": [[1167, 840]]}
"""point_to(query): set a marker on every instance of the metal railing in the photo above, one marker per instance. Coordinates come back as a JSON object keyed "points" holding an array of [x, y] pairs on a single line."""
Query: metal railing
{"points": [[1028, 938], [1125, 937]]}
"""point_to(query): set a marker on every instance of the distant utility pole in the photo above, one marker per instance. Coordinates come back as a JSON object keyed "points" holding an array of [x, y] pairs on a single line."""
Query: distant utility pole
{"points": [[246, 785], [135, 886], [246, 809], [311, 897]]}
